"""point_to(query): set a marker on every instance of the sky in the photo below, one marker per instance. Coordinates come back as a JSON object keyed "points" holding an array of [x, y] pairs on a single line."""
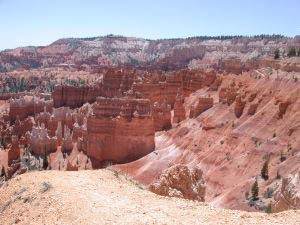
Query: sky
{"points": [[41, 22]]}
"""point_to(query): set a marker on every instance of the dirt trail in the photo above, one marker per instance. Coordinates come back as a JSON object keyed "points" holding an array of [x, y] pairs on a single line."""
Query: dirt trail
{"points": [[102, 197]]}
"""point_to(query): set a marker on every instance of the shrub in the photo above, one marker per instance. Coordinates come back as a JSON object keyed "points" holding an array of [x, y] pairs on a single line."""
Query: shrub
{"points": [[255, 190], [269, 208], [116, 173], [269, 193], [276, 54], [45, 187], [265, 170]]}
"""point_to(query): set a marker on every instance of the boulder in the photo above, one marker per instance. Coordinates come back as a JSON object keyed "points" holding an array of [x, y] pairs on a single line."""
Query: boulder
{"points": [[287, 195], [180, 181]]}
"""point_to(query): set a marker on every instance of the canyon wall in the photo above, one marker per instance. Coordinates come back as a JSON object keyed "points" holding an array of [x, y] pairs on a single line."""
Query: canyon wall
{"points": [[120, 130]]}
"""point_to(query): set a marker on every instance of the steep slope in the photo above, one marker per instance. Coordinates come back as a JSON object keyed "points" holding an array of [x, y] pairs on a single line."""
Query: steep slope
{"points": [[257, 118], [102, 197]]}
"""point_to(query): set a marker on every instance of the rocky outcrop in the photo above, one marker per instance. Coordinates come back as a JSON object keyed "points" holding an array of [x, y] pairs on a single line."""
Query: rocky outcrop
{"points": [[288, 194], [180, 181], [159, 88], [13, 150], [196, 79], [161, 116], [73, 97], [216, 84], [282, 107], [40, 142], [228, 94], [120, 130], [21, 127], [117, 81], [236, 53], [252, 108], [24, 107], [239, 106], [179, 111], [203, 104]]}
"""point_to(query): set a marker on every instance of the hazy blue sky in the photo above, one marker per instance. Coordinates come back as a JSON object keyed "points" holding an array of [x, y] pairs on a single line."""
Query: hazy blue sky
{"points": [[40, 22]]}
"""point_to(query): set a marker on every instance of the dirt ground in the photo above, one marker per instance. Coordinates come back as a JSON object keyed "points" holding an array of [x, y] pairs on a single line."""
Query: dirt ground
{"points": [[105, 197]]}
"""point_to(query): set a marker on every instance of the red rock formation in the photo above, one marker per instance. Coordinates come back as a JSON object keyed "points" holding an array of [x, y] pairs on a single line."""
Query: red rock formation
{"points": [[239, 106], [223, 95], [179, 111], [67, 140], [21, 127], [13, 168], [252, 109], [166, 86], [161, 116], [40, 142], [232, 66], [252, 96], [194, 80], [282, 107], [24, 107], [203, 104], [227, 94], [13, 149], [117, 81], [120, 130], [231, 93], [180, 181], [216, 84], [74, 96]]}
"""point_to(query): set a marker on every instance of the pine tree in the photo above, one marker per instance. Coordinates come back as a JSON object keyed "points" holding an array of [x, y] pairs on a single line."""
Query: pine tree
{"points": [[278, 176], [2, 171], [265, 170], [282, 157], [45, 161], [276, 54], [255, 190], [292, 52]]}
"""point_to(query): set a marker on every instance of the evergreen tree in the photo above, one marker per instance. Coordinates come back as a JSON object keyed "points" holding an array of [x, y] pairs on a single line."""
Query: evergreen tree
{"points": [[2, 171], [276, 54], [282, 157], [265, 170], [278, 176], [45, 161], [292, 52], [255, 190]]}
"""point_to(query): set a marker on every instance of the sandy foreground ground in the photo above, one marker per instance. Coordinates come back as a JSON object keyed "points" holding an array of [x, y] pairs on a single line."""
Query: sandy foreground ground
{"points": [[104, 197]]}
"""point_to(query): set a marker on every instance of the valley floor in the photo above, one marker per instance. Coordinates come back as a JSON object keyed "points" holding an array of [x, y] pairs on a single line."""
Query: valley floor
{"points": [[105, 197]]}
